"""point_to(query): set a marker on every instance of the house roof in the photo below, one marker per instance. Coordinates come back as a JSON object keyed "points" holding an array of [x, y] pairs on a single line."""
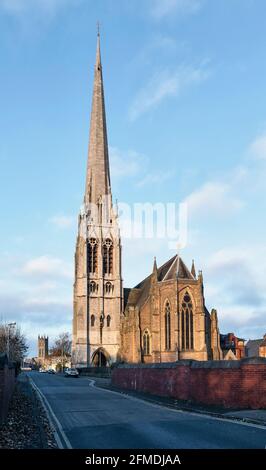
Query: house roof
{"points": [[174, 268], [230, 356], [252, 347]]}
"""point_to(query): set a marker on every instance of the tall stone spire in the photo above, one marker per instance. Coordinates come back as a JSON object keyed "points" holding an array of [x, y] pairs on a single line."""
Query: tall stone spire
{"points": [[154, 265], [98, 172], [155, 271], [193, 269], [98, 286]]}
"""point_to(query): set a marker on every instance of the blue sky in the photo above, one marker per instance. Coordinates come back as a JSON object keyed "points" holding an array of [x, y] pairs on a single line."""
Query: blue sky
{"points": [[185, 86]]}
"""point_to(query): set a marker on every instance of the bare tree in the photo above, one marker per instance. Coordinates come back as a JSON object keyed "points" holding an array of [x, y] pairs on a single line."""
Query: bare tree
{"points": [[62, 345], [62, 348], [12, 342]]}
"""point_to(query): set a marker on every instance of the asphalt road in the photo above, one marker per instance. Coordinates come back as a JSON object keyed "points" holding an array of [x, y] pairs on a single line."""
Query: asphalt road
{"points": [[91, 418]]}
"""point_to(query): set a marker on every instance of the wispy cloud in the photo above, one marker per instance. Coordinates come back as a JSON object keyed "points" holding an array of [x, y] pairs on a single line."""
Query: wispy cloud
{"points": [[239, 294], [37, 294], [155, 178], [35, 309], [258, 147], [163, 8], [133, 164], [126, 163], [245, 321], [228, 194], [235, 275], [62, 221], [166, 84], [33, 8], [46, 267], [49, 315], [213, 197]]}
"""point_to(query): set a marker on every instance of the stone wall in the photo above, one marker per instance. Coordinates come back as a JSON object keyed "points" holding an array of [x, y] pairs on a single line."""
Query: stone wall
{"points": [[7, 383], [229, 384]]}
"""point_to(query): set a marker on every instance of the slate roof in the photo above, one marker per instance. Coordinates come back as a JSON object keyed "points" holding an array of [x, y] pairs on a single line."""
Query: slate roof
{"points": [[174, 268], [126, 295], [252, 347]]}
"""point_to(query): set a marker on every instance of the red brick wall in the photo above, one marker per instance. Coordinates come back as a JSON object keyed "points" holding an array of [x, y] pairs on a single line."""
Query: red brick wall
{"points": [[7, 382], [230, 384]]}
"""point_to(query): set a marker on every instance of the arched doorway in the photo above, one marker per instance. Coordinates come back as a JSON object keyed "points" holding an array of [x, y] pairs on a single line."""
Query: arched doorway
{"points": [[100, 358]]}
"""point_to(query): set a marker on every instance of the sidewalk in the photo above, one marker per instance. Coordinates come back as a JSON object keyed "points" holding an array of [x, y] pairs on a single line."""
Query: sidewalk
{"points": [[248, 416], [257, 415], [26, 425]]}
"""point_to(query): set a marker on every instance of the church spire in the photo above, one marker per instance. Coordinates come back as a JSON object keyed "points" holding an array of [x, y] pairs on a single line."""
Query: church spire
{"points": [[154, 266], [98, 172], [193, 269]]}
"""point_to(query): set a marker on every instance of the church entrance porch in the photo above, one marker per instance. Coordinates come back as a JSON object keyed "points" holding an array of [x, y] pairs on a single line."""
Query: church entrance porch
{"points": [[100, 358]]}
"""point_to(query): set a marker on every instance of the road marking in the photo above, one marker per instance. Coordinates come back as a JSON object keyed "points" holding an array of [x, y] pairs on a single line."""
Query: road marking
{"points": [[53, 420], [158, 405]]}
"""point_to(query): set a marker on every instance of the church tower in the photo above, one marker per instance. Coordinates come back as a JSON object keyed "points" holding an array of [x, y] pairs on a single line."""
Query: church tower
{"points": [[98, 292], [42, 347]]}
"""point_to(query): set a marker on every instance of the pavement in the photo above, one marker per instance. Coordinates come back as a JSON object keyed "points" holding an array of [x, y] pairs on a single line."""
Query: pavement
{"points": [[26, 425], [86, 416], [248, 416], [258, 416]]}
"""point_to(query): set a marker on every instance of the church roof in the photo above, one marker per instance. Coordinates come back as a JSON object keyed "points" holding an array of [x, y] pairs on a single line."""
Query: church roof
{"points": [[131, 296], [174, 268]]}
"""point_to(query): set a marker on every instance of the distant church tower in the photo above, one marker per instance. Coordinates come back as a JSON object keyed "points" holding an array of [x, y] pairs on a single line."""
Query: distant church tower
{"points": [[98, 292], [42, 347]]}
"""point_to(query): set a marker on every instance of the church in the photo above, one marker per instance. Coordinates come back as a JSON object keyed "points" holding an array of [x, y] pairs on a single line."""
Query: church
{"points": [[163, 318]]}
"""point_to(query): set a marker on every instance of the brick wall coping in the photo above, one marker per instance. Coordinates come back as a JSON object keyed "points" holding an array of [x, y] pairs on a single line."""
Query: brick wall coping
{"points": [[197, 364]]}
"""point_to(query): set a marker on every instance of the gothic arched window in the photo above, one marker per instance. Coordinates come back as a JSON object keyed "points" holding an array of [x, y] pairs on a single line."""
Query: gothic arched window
{"points": [[108, 256], [92, 287], [187, 325], [146, 343], [167, 319], [92, 320], [92, 255], [108, 287], [108, 321]]}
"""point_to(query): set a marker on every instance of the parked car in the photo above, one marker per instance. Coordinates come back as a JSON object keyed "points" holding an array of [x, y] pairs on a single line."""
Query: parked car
{"points": [[71, 373], [51, 371]]}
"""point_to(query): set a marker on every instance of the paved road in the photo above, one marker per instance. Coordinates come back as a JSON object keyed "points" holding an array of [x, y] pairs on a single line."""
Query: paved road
{"points": [[94, 418]]}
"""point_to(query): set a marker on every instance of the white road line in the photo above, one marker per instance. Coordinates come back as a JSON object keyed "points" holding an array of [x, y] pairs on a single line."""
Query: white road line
{"points": [[55, 423], [199, 415]]}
